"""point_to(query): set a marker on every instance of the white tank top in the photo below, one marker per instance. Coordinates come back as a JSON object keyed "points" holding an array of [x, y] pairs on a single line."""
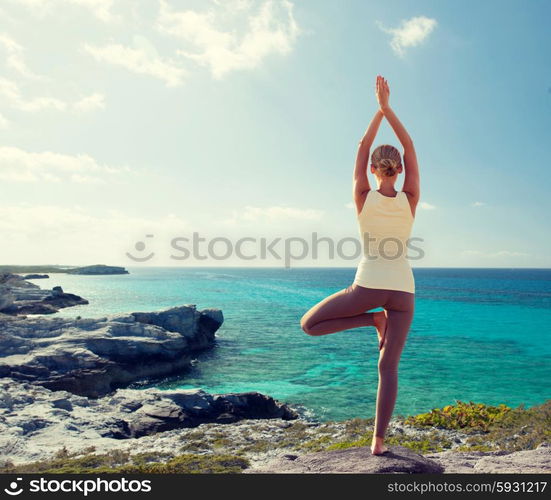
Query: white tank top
{"points": [[385, 226]]}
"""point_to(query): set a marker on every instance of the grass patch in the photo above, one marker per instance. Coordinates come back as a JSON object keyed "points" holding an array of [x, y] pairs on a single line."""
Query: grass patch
{"points": [[343, 445], [118, 462], [429, 444], [195, 446], [316, 444], [221, 442], [479, 447], [258, 446]]}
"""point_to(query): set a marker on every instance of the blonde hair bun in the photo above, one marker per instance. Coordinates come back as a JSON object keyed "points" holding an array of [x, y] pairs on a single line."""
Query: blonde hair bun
{"points": [[386, 159], [387, 167]]}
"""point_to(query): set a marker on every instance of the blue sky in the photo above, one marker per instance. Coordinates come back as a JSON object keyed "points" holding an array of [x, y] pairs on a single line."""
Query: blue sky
{"points": [[241, 119]]}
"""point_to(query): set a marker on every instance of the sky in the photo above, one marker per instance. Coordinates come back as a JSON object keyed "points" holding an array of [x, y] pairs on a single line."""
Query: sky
{"points": [[129, 126]]}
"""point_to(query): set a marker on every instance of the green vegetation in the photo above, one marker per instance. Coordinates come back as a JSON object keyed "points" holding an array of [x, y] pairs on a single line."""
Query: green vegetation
{"points": [[119, 461], [317, 444], [206, 449], [461, 416], [492, 427], [476, 447], [518, 429], [486, 428], [431, 444]]}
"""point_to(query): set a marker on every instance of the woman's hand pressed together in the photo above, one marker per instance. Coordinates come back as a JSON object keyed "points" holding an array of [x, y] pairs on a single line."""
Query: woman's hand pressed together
{"points": [[382, 92]]}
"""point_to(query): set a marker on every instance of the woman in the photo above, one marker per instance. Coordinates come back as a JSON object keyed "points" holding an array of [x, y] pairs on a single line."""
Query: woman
{"points": [[384, 277]]}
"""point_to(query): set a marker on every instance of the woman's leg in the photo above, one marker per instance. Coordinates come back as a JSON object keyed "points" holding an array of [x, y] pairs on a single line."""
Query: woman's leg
{"points": [[400, 308], [344, 310]]}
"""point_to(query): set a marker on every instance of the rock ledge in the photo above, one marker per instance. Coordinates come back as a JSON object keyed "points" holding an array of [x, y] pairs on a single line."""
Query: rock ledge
{"points": [[352, 460]]}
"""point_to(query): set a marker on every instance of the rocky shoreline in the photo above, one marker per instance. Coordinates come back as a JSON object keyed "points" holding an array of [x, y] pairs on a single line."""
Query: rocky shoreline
{"points": [[65, 381], [93, 357], [45, 430], [36, 422], [69, 402], [20, 297]]}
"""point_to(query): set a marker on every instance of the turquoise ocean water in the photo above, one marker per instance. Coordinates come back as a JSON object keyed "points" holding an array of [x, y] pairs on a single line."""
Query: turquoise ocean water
{"points": [[478, 335]]}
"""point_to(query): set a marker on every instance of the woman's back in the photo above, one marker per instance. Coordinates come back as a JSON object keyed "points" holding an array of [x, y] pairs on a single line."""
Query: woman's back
{"points": [[385, 225]]}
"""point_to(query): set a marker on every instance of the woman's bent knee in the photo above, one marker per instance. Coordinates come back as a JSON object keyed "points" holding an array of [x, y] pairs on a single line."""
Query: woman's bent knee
{"points": [[306, 325]]}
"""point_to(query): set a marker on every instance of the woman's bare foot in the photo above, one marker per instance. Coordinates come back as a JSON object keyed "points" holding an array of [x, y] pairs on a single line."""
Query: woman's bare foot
{"points": [[377, 446], [380, 320]]}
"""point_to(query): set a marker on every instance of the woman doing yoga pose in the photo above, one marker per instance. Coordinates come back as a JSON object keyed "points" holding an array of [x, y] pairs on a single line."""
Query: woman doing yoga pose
{"points": [[384, 277]]}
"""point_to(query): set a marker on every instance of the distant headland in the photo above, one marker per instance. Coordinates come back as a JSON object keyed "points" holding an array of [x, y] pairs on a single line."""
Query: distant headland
{"points": [[88, 270]]}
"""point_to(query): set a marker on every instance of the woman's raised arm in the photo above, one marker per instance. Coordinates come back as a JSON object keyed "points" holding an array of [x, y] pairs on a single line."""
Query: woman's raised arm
{"points": [[360, 181], [411, 181]]}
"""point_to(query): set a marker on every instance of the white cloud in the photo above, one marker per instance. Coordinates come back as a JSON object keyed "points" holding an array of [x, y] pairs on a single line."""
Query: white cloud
{"points": [[89, 103], [10, 91], [18, 165], [508, 253], [224, 36], [76, 235], [478, 204], [410, 33], [15, 59], [423, 205], [4, 122], [273, 214], [100, 8], [140, 60], [278, 212], [492, 255], [244, 44], [349, 205]]}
